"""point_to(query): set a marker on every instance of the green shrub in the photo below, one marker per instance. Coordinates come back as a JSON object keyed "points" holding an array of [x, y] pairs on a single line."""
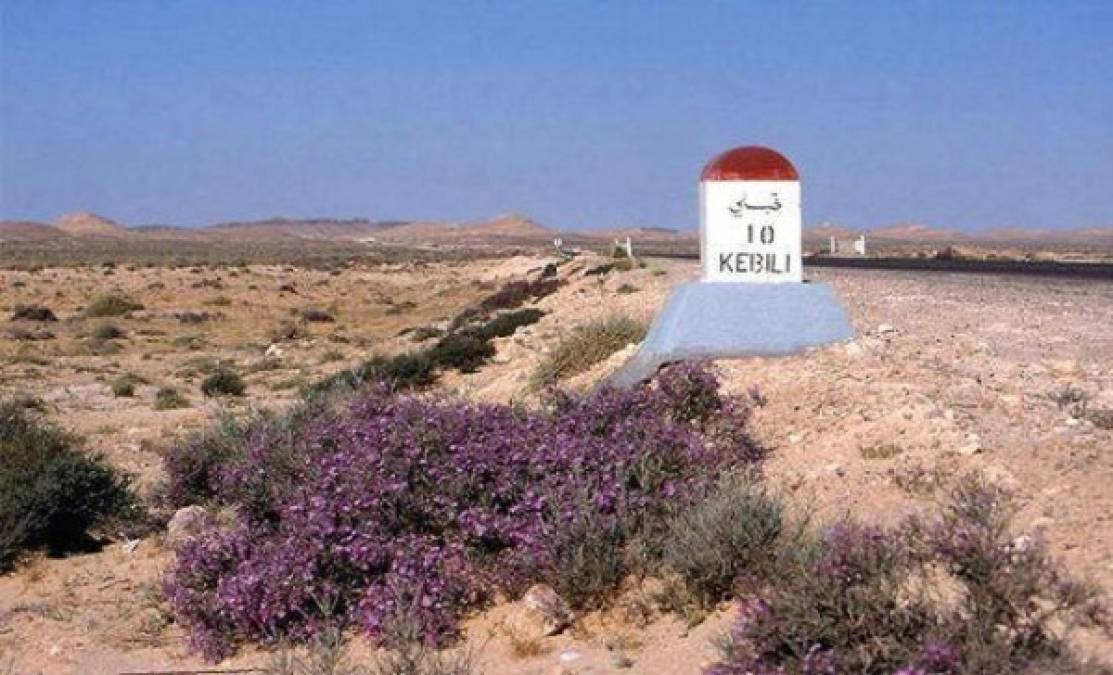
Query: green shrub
{"points": [[958, 594], [32, 313], [169, 398], [711, 544], [223, 382], [599, 270], [192, 466], [107, 331], [411, 370], [505, 324], [317, 316], [51, 495], [110, 305], [423, 333], [586, 346], [588, 559], [462, 351]]}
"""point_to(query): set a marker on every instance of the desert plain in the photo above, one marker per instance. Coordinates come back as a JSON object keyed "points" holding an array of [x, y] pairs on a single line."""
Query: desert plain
{"points": [[1011, 377]]}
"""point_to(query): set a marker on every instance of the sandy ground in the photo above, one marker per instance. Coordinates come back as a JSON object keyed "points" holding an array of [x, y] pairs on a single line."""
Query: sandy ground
{"points": [[948, 374]]}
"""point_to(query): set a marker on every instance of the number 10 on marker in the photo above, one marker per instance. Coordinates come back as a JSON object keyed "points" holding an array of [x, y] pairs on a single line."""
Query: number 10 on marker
{"points": [[765, 234]]}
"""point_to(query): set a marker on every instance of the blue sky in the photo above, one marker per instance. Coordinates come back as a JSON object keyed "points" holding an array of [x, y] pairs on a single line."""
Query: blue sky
{"points": [[582, 115]]}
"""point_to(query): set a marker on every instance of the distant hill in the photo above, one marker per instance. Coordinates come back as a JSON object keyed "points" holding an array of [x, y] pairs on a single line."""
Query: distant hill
{"points": [[511, 227], [505, 229], [828, 230], [916, 232], [25, 230], [309, 228], [84, 223]]}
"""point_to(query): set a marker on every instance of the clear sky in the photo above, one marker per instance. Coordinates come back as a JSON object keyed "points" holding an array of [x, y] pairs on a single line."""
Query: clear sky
{"points": [[580, 114]]}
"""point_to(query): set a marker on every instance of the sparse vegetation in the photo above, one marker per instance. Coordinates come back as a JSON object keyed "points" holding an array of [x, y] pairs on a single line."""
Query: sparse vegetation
{"points": [[586, 346], [109, 305], [52, 495]]}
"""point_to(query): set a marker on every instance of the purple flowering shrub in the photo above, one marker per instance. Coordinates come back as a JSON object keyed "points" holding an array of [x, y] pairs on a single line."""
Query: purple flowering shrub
{"points": [[399, 502], [953, 596]]}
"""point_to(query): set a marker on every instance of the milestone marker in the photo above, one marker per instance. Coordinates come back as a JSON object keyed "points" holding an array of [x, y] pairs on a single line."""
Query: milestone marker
{"points": [[750, 218], [751, 299]]}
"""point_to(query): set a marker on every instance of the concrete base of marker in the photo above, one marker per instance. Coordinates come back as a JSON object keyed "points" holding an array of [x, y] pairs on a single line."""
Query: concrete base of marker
{"points": [[707, 320]]}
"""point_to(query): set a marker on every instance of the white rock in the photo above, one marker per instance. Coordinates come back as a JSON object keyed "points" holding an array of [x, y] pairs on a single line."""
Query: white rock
{"points": [[540, 613], [568, 656], [885, 328], [186, 523]]}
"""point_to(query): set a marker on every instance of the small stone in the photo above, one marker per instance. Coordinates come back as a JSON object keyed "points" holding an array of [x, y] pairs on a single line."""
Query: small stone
{"points": [[972, 448], [539, 614], [186, 523], [1062, 366], [885, 329], [568, 656], [854, 350]]}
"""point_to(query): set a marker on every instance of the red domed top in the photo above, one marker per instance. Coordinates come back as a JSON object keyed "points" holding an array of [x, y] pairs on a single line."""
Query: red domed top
{"points": [[751, 162]]}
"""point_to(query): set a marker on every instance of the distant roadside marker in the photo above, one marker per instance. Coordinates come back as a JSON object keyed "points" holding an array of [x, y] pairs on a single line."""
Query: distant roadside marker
{"points": [[751, 299]]}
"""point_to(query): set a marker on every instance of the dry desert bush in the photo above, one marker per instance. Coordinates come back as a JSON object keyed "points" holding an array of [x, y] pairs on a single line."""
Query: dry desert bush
{"points": [[586, 346]]}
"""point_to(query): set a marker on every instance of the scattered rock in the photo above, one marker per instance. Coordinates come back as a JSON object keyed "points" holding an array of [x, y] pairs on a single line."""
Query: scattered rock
{"points": [[186, 523], [568, 656], [1062, 366], [972, 446], [885, 329], [539, 614]]}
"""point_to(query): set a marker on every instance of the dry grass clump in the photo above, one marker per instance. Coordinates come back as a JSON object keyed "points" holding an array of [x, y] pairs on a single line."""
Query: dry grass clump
{"points": [[110, 304], [586, 346], [314, 315], [169, 398], [124, 386]]}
